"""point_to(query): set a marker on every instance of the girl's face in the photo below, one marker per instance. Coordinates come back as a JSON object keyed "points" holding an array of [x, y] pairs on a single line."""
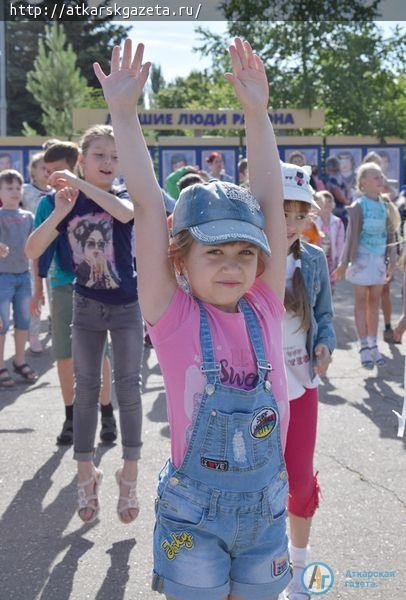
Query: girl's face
{"points": [[220, 275], [372, 183], [40, 175], [217, 165], [100, 163], [327, 206], [346, 165], [296, 215]]}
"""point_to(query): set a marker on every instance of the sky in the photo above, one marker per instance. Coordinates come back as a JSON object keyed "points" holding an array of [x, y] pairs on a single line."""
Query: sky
{"points": [[172, 48]]}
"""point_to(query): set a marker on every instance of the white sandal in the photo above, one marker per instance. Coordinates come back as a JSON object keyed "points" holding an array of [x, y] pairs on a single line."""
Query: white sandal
{"points": [[129, 502], [91, 501]]}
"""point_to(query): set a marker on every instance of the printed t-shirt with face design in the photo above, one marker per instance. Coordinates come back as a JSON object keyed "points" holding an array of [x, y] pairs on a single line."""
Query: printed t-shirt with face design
{"points": [[102, 252], [177, 343]]}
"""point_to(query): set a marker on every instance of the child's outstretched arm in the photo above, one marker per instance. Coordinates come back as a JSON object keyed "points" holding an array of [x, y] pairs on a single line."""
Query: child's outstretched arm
{"points": [[122, 89], [251, 86], [119, 208], [47, 232]]}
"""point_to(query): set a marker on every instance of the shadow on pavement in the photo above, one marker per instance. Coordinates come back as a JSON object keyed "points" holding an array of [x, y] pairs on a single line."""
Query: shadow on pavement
{"points": [[379, 405], [327, 396], [158, 413], [147, 371], [118, 573], [33, 536]]}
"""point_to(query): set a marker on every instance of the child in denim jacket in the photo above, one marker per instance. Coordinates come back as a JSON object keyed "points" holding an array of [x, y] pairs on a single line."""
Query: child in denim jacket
{"points": [[309, 341]]}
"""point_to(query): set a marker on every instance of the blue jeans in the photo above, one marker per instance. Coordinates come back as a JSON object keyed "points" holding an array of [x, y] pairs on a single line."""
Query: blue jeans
{"points": [[91, 322], [15, 290]]}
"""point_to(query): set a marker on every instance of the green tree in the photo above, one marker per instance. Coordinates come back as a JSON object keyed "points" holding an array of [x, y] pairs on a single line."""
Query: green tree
{"points": [[56, 83], [348, 68], [156, 78], [91, 39]]}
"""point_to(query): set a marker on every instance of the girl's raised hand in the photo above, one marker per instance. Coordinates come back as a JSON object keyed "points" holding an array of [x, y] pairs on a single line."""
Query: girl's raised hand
{"points": [[61, 179], [123, 86], [65, 200], [248, 77]]}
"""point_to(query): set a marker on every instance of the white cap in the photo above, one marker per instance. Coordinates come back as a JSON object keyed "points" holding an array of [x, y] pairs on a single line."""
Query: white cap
{"points": [[296, 183]]}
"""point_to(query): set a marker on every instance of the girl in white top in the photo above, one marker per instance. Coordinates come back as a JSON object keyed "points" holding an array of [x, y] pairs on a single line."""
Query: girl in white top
{"points": [[309, 340]]}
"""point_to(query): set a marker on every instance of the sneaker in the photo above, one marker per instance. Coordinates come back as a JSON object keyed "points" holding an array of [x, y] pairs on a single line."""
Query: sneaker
{"points": [[65, 438], [295, 589], [377, 356], [388, 336], [366, 358], [108, 432], [35, 345]]}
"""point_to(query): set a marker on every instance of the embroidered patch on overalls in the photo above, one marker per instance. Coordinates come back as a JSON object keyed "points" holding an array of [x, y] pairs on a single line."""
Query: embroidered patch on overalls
{"points": [[280, 565], [263, 423], [178, 541], [210, 463]]}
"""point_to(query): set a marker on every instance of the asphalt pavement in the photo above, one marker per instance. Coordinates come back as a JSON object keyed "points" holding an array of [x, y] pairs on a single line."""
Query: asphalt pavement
{"points": [[47, 553]]}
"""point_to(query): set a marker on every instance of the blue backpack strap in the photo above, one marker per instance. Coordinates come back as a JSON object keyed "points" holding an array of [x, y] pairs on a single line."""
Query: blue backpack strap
{"points": [[209, 366], [255, 335]]}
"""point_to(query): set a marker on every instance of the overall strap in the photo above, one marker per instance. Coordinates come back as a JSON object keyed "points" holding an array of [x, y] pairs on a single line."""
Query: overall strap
{"points": [[209, 367], [255, 334]]}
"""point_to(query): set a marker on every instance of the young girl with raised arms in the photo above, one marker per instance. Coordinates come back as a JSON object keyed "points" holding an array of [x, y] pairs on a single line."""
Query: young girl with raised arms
{"points": [[309, 341], [369, 258], [220, 512], [99, 224]]}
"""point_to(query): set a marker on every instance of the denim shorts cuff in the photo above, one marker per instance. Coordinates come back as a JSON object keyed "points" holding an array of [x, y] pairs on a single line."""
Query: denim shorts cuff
{"points": [[83, 456], [261, 591], [185, 592], [131, 452]]}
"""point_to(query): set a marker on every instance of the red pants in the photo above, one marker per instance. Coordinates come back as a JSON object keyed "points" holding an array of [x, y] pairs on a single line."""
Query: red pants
{"points": [[301, 440]]}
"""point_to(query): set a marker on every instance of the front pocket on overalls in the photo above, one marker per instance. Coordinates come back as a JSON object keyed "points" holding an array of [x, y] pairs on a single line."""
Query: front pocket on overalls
{"points": [[178, 510], [277, 493], [239, 441]]}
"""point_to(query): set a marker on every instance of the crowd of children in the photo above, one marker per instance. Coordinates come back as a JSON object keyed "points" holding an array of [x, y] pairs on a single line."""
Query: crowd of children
{"points": [[231, 283]]}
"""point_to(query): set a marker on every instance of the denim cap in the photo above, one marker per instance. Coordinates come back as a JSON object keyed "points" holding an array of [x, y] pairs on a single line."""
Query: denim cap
{"points": [[218, 212], [296, 184]]}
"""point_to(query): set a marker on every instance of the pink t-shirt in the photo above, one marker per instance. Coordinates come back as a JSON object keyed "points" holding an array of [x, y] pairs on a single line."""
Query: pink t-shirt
{"points": [[176, 341]]}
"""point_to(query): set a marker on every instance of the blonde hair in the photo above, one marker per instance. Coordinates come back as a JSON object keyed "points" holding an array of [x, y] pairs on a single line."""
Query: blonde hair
{"points": [[372, 157], [94, 133], [296, 299], [34, 162], [320, 196], [393, 213], [363, 171]]}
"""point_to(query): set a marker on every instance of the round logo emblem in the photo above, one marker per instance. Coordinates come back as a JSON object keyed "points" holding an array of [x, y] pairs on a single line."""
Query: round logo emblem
{"points": [[263, 423], [318, 578]]}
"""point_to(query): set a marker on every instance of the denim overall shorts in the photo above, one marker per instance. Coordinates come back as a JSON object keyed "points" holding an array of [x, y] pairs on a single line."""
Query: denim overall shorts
{"points": [[221, 516]]}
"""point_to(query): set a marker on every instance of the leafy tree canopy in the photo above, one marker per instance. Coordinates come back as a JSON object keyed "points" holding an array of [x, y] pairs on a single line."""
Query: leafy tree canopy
{"points": [[348, 68]]}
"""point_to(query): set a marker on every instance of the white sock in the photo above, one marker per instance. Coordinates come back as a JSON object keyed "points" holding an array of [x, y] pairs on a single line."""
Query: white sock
{"points": [[299, 556], [371, 341]]}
